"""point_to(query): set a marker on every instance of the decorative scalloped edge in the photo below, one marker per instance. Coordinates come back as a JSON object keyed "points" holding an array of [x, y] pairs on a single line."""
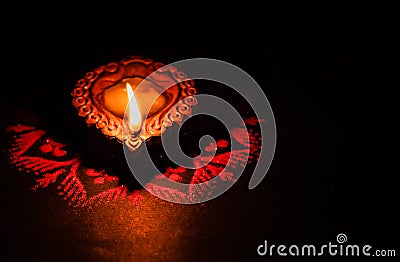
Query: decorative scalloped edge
{"points": [[111, 125]]}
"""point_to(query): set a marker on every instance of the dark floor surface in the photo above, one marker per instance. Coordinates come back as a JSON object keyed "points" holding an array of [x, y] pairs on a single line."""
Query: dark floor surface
{"points": [[331, 173]]}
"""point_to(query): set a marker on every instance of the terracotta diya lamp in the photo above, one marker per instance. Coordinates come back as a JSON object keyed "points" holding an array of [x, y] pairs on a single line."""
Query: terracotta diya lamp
{"points": [[107, 98]]}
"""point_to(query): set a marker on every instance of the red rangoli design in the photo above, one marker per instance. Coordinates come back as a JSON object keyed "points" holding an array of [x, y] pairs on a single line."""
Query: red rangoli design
{"points": [[32, 151]]}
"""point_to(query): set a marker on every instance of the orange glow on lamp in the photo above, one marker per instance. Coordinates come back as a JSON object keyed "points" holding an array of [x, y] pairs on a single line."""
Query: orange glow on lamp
{"points": [[104, 95]]}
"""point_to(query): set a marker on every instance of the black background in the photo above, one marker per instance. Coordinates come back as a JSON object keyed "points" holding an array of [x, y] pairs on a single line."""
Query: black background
{"points": [[331, 172]]}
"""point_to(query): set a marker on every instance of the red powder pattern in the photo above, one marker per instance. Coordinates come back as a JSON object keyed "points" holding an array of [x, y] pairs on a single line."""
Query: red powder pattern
{"points": [[249, 139], [253, 121], [167, 193], [19, 128], [67, 173], [222, 143], [135, 197], [53, 147], [101, 176], [175, 174], [109, 196], [222, 166], [50, 167], [23, 141]]}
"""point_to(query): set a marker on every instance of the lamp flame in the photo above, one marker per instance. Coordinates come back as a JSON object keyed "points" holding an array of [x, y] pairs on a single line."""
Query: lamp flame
{"points": [[134, 116]]}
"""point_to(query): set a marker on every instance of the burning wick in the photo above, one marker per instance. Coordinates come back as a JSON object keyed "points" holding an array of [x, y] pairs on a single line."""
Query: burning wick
{"points": [[134, 116], [126, 101]]}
